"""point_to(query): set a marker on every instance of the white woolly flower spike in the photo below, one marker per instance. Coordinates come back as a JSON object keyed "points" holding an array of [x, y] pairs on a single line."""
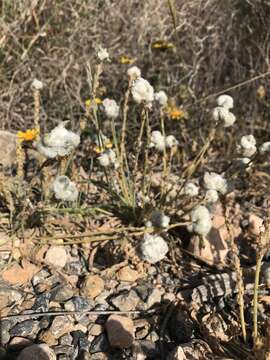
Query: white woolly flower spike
{"points": [[171, 141], [102, 54], [159, 142], [59, 142], [248, 145], [225, 101], [201, 221], [111, 108], [158, 219], [142, 91], [265, 147], [134, 72], [222, 114], [153, 248], [64, 189], [37, 84], [214, 181], [161, 97], [108, 158], [191, 189], [211, 196]]}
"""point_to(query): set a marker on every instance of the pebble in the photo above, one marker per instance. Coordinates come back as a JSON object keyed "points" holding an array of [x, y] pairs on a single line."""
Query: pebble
{"points": [[18, 343], [40, 352], [99, 344], [41, 303], [62, 293], [120, 331], [154, 297], [66, 339], [148, 348], [142, 291], [26, 328], [74, 268], [95, 329], [56, 256], [9, 296], [127, 274], [61, 325], [78, 303], [127, 301], [92, 286]]}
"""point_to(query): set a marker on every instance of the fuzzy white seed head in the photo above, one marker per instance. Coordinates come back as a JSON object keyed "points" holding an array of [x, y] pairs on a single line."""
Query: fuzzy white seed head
{"points": [[157, 141], [59, 142], [111, 108], [153, 248], [37, 84], [191, 189], [221, 114], [108, 158], [201, 221], [161, 97], [134, 72], [225, 101], [265, 148], [64, 189], [158, 219], [248, 145], [102, 54], [214, 181], [211, 196], [171, 141], [142, 91]]}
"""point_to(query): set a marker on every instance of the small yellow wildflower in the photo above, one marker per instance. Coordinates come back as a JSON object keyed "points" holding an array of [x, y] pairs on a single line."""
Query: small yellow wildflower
{"points": [[88, 102], [176, 113], [100, 149], [28, 135], [261, 92], [163, 45], [126, 60]]}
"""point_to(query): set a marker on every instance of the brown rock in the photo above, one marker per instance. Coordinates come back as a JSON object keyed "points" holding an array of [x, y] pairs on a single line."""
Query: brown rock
{"points": [[40, 352], [255, 224], [48, 338], [92, 286], [18, 275], [120, 331], [18, 343], [128, 274], [8, 296], [95, 329], [7, 148], [127, 301], [56, 256], [61, 325]]}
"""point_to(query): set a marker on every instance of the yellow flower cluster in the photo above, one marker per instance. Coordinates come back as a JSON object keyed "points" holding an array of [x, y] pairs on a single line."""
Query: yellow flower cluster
{"points": [[163, 45], [28, 135], [100, 149], [126, 60], [176, 113], [89, 102]]}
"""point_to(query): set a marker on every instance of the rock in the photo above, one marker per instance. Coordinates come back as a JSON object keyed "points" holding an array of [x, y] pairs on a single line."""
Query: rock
{"points": [[95, 329], [215, 327], [180, 326], [148, 348], [9, 296], [120, 331], [128, 274], [84, 355], [99, 344], [20, 274], [61, 325], [153, 248], [255, 224], [66, 339], [142, 291], [154, 298], [48, 338], [7, 148], [56, 256], [78, 303], [62, 293], [63, 349], [127, 301], [40, 352], [92, 286], [18, 343], [41, 303], [177, 354], [26, 328], [74, 268]]}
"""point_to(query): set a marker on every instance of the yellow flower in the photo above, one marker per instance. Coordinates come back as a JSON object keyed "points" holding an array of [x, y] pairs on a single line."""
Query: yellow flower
{"points": [[163, 45], [88, 102], [126, 60], [100, 149], [176, 113], [28, 135]]}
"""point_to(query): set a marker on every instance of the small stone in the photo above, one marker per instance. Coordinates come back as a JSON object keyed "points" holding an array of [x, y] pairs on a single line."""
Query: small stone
{"points": [[142, 291], [74, 268], [127, 301], [99, 344], [154, 297], [48, 338], [63, 349], [255, 224], [41, 303], [66, 339], [18, 343], [8, 296], [7, 148], [62, 293], [61, 325], [120, 331], [78, 303], [92, 286], [177, 354], [95, 329], [148, 348], [128, 274], [56, 256], [40, 352], [26, 328]]}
